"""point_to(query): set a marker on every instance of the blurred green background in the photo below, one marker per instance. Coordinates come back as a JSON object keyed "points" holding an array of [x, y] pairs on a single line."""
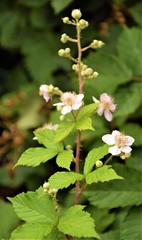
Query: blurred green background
{"points": [[30, 33]]}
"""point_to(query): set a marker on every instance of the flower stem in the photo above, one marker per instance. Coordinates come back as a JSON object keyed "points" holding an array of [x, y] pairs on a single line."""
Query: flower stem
{"points": [[108, 160]]}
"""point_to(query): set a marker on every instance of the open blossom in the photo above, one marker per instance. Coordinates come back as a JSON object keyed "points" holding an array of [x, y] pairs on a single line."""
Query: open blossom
{"points": [[120, 143], [70, 101], [43, 90], [106, 106]]}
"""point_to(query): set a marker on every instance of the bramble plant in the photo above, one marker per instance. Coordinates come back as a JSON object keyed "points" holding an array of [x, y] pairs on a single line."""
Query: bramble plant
{"points": [[44, 216]]}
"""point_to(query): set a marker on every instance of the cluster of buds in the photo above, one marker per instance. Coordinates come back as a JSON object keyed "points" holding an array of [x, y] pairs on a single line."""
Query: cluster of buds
{"points": [[64, 52], [47, 189], [64, 38], [96, 44], [86, 73], [47, 91]]}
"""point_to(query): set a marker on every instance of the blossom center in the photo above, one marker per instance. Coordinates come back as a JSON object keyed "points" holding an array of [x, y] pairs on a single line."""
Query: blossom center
{"points": [[68, 99], [121, 140]]}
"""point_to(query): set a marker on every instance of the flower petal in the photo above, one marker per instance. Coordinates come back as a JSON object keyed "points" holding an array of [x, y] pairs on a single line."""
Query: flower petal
{"points": [[79, 97], [66, 109], [58, 104], [114, 150], [95, 100], [105, 97], [109, 139], [130, 140], [115, 133], [46, 97], [100, 109], [126, 149], [108, 115]]}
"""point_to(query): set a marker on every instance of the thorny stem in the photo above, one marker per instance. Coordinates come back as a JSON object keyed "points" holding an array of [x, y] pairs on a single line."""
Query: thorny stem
{"points": [[77, 158]]}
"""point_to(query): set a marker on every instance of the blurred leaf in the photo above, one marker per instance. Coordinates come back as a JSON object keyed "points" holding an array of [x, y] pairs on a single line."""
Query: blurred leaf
{"points": [[35, 156], [9, 220], [64, 159], [109, 78], [59, 5], [102, 174], [129, 48], [111, 235], [134, 130], [94, 155], [128, 99], [132, 225], [77, 222], [136, 11], [32, 3], [31, 231], [35, 207], [135, 160], [61, 180], [115, 193]]}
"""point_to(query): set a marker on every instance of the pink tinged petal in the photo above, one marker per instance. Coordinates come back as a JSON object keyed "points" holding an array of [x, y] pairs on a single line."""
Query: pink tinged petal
{"points": [[46, 97], [108, 139], [126, 149], [108, 115], [112, 107], [105, 97], [66, 109], [43, 89], [76, 105], [130, 140], [95, 100], [115, 133], [100, 109], [114, 150]]}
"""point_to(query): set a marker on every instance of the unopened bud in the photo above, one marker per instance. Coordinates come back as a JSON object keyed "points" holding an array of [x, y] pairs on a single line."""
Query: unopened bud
{"points": [[54, 190], [96, 44], [67, 50], [64, 38], [74, 67], [95, 74], [65, 20], [46, 185], [76, 14], [89, 71], [99, 164], [83, 24], [68, 147], [50, 88], [62, 117], [61, 52]]}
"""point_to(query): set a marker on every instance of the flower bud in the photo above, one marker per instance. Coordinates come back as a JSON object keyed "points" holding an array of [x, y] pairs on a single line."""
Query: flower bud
{"points": [[95, 74], [50, 88], [100, 44], [54, 190], [65, 20], [61, 52], [89, 71], [64, 38], [96, 44], [67, 51], [68, 147], [76, 14], [83, 24], [62, 117], [46, 185], [99, 163]]}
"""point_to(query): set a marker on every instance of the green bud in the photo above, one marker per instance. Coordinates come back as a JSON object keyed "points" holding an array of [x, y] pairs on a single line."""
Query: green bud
{"points": [[99, 163], [61, 52], [89, 71], [67, 51], [68, 147], [74, 67], [65, 20], [62, 117], [95, 74], [76, 14], [96, 44], [100, 44]]}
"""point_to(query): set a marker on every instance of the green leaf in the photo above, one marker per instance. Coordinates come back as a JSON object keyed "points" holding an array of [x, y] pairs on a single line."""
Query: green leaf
{"points": [[128, 99], [34, 156], [118, 74], [87, 110], [8, 219], [31, 3], [31, 231], [63, 130], [94, 155], [114, 194], [55, 235], [102, 174], [35, 207], [134, 130], [132, 225], [59, 5], [63, 179], [111, 235], [46, 137], [77, 222], [130, 39], [64, 159], [136, 13], [84, 124]]}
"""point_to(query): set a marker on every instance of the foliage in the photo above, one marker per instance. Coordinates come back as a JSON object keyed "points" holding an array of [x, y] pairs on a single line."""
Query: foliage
{"points": [[29, 42]]}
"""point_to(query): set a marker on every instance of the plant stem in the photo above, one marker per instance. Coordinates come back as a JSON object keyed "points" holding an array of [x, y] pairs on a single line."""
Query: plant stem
{"points": [[77, 158], [108, 160]]}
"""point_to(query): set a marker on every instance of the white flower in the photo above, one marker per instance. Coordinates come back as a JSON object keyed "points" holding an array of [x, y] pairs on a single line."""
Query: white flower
{"points": [[43, 90], [70, 101], [106, 106], [121, 143]]}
